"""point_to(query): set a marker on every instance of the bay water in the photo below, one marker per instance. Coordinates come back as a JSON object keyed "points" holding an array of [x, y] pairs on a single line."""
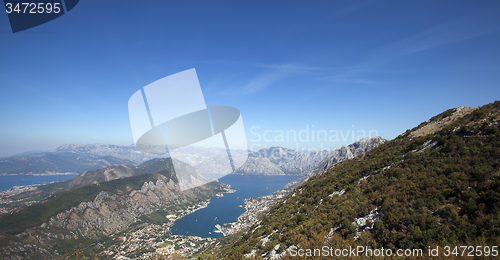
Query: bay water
{"points": [[227, 209], [10, 181]]}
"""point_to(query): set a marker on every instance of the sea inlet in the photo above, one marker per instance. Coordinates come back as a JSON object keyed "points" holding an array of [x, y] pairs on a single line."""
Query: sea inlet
{"points": [[228, 208]]}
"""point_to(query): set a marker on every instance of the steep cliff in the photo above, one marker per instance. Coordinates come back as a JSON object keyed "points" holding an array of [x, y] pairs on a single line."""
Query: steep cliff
{"points": [[110, 212], [98, 209], [356, 149]]}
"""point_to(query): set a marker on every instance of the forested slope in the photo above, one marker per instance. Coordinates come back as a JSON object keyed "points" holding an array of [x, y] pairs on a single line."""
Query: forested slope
{"points": [[438, 189]]}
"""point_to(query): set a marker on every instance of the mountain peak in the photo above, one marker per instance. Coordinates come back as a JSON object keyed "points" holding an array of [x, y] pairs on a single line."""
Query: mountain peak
{"points": [[440, 121]]}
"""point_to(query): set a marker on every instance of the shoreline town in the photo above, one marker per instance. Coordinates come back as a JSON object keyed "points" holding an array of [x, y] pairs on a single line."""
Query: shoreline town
{"points": [[146, 240]]}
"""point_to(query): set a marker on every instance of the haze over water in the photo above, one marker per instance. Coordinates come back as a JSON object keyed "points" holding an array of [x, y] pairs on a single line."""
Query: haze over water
{"points": [[9, 181]]}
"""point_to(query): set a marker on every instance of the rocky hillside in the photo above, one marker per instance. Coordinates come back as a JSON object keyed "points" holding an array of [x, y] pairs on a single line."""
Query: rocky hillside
{"points": [[433, 186], [110, 212], [39, 193], [354, 150], [290, 161], [96, 210], [283, 161]]}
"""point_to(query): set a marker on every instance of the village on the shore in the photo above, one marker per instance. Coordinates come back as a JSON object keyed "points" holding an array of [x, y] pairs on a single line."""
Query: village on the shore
{"points": [[255, 207], [7, 204], [151, 240], [147, 240]]}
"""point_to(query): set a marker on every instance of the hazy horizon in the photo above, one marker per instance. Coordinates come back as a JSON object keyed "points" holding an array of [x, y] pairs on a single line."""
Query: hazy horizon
{"points": [[316, 67]]}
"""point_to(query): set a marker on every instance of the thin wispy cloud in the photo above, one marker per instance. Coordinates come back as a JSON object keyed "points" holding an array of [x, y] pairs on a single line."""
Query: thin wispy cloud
{"points": [[261, 82], [465, 28], [286, 67], [349, 79], [271, 75], [437, 36], [296, 67], [279, 72], [451, 32]]}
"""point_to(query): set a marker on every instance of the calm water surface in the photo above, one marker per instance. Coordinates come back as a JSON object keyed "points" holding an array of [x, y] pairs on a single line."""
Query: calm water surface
{"points": [[227, 208], [9, 181]]}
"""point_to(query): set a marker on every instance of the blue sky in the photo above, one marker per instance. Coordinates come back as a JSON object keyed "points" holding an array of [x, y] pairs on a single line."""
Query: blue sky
{"points": [[286, 65]]}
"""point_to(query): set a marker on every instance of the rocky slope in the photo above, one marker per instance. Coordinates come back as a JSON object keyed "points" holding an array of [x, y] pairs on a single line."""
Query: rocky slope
{"points": [[39, 193], [97, 210], [259, 166], [283, 161], [432, 189], [110, 212], [354, 150]]}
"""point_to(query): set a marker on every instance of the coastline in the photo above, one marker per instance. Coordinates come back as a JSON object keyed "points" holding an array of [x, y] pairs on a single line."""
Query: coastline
{"points": [[255, 207], [40, 174]]}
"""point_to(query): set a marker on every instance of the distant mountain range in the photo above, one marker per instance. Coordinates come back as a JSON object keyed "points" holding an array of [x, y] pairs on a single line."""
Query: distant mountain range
{"points": [[284, 161], [75, 158]]}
